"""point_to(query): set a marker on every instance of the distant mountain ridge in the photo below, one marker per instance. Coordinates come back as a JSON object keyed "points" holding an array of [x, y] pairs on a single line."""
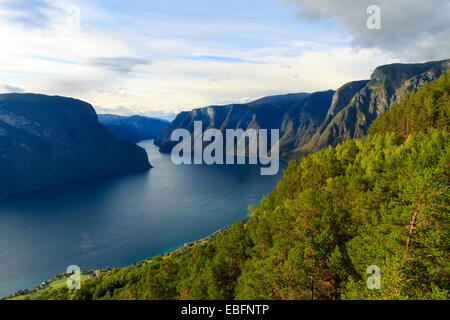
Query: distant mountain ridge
{"points": [[51, 140], [265, 113], [134, 128], [311, 121]]}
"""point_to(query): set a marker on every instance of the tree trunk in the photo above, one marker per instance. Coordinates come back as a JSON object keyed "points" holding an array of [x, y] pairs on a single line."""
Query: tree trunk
{"points": [[412, 228]]}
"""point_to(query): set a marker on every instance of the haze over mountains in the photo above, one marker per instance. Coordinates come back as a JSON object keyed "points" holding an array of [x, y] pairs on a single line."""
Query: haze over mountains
{"points": [[135, 128], [46, 141], [310, 122]]}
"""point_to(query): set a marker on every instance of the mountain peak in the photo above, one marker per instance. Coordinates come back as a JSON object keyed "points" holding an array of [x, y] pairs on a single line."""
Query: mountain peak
{"points": [[408, 70]]}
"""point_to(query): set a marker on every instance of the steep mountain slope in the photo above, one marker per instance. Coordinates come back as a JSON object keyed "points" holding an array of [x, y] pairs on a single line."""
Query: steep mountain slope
{"points": [[389, 84], [303, 119], [380, 203], [310, 122], [134, 128], [265, 113], [47, 140]]}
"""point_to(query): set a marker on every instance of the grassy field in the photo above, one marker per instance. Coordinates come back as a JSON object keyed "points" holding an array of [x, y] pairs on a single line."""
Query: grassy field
{"points": [[62, 281], [54, 284]]}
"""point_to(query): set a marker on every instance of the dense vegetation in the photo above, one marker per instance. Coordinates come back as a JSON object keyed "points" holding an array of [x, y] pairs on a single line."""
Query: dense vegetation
{"points": [[380, 201], [427, 108]]}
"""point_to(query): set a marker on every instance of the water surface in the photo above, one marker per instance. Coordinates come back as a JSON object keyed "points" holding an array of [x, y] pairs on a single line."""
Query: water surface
{"points": [[118, 221]]}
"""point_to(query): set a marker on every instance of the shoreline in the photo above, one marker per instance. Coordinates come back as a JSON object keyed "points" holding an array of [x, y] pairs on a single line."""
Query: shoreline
{"points": [[47, 284]]}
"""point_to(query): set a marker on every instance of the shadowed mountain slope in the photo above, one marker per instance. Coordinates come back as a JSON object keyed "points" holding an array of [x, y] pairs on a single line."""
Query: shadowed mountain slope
{"points": [[50, 140]]}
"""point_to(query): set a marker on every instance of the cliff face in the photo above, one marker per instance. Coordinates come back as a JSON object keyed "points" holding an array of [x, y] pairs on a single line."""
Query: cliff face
{"points": [[266, 113], [134, 128], [388, 85], [47, 141], [309, 122], [303, 119]]}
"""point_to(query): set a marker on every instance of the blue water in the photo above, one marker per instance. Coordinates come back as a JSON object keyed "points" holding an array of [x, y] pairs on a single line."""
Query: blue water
{"points": [[118, 221]]}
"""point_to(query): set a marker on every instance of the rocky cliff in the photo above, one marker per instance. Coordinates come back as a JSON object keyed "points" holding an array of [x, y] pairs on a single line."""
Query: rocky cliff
{"points": [[388, 85], [49, 140], [266, 113], [309, 122]]}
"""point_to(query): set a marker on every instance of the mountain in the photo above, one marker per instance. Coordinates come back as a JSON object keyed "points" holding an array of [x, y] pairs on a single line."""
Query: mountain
{"points": [[134, 128], [388, 84], [50, 140], [310, 122], [303, 119], [265, 113], [341, 223]]}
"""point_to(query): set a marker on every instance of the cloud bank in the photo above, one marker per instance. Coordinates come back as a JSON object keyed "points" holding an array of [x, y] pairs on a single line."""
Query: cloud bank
{"points": [[119, 64], [413, 29], [6, 88]]}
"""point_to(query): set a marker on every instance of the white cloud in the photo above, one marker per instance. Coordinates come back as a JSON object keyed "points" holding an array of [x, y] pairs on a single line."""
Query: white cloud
{"points": [[412, 29], [26, 13], [134, 72]]}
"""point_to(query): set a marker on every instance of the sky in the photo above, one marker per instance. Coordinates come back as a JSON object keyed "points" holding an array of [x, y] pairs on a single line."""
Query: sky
{"points": [[160, 57]]}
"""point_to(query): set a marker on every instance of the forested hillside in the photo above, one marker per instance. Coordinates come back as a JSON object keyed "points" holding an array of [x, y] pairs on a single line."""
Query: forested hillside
{"points": [[381, 201], [428, 108]]}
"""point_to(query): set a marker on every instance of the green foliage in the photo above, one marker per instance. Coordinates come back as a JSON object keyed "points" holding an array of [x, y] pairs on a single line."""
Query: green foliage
{"points": [[381, 201], [428, 108]]}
